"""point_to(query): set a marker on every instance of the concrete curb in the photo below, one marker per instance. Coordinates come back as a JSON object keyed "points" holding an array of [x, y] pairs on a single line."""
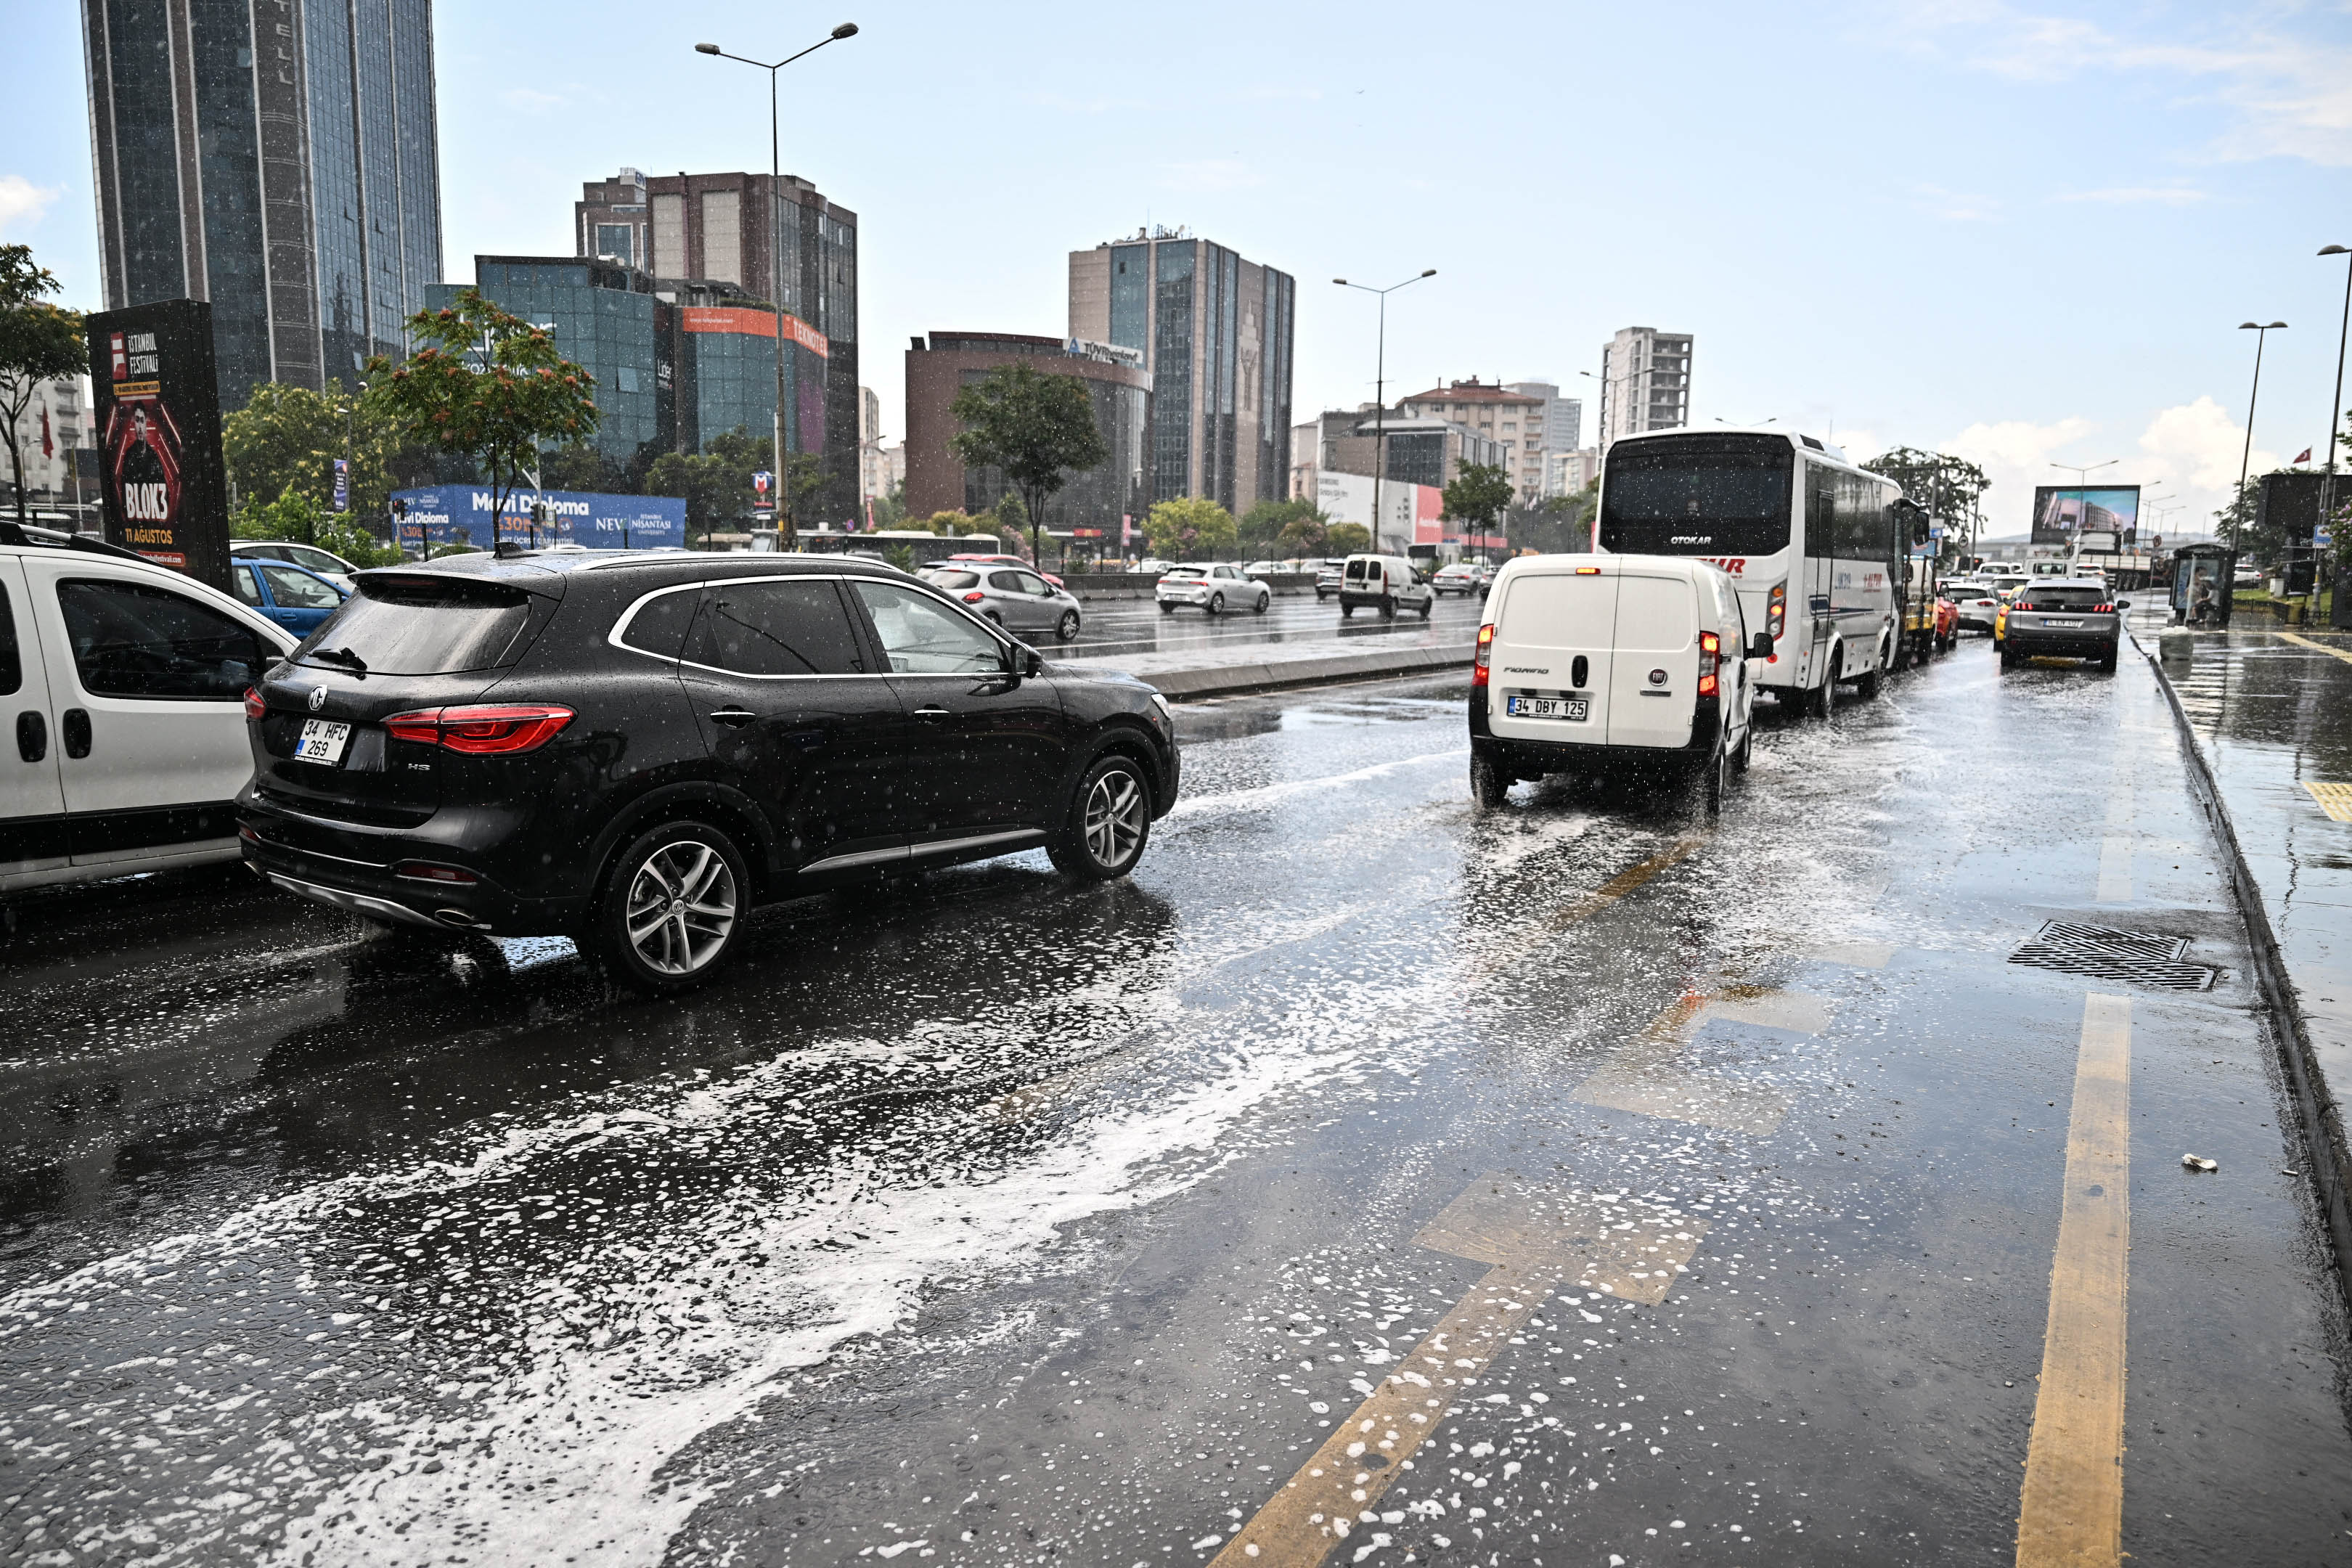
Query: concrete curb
{"points": [[1278, 675], [2317, 1107]]}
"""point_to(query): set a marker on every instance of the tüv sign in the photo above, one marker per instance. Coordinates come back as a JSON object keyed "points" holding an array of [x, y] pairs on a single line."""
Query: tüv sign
{"points": [[460, 514]]}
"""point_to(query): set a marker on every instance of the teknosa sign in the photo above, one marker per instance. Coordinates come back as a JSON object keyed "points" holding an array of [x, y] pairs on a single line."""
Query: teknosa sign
{"points": [[162, 490]]}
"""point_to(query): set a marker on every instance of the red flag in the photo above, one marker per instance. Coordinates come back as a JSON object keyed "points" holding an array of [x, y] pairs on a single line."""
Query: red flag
{"points": [[49, 448], [2305, 456]]}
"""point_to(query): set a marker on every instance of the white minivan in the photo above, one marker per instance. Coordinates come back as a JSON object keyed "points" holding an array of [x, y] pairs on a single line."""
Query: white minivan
{"points": [[1384, 583], [123, 686], [1595, 663]]}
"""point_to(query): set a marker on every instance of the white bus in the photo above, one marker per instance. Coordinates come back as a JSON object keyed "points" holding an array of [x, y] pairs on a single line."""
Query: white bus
{"points": [[1815, 543]]}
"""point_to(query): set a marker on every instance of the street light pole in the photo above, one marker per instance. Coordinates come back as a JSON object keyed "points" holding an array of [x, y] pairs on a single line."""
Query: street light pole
{"points": [[1380, 391], [776, 256], [2335, 420], [2245, 457]]}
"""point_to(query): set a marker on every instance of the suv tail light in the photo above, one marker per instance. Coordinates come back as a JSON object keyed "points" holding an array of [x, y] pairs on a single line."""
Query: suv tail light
{"points": [[254, 706], [2103, 609], [488, 731], [1710, 661], [1777, 615], [1479, 671]]}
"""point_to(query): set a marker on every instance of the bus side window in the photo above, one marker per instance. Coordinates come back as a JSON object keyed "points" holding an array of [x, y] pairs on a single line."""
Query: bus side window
{"points": [[1821, 510]]}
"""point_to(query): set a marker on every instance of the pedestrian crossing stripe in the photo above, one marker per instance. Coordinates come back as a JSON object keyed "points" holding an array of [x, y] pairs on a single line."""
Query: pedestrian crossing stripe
{"points": [[2334, 799]]}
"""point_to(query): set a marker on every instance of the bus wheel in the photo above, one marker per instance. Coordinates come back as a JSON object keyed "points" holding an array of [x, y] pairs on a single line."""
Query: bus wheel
{"points": [[1825, 699], [1865, 685]]}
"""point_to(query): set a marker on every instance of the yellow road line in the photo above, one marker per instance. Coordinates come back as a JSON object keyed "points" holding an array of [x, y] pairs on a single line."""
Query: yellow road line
{"points": [[2334, 799], [2344, 654], [1641, 1076], [1535, 1239], [1587, 905], [2070, 1510]]}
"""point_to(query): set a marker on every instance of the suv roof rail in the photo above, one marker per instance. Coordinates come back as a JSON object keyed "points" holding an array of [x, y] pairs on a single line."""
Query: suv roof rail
{"points": [[27, 534]]}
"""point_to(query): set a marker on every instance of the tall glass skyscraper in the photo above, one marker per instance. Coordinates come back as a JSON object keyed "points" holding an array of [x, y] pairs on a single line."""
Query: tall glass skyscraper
{"points": [[275, 157], [1215, 333]]}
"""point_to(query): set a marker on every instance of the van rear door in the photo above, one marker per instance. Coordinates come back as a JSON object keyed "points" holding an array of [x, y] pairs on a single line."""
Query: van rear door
{"points": [[1547, 623], [1653, 688]]}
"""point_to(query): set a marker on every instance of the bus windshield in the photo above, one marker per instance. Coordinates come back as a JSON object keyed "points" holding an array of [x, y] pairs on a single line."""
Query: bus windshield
{"points": [[1698, 495]]}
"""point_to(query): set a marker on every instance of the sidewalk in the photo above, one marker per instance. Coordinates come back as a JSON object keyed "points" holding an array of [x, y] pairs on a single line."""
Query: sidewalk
{"points": [[1268, 666], [2270, 716]]}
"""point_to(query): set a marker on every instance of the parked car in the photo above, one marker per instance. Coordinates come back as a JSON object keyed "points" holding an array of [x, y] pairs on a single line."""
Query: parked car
{"points": [[2247, 575], [1153, 565], [1014, 598], [295, 598], [1463, 577], [1948, 619], [1327, 577], [636, 749], [1009, 561], [1215, 587], [1601, 663], [124, 683], [1384, 583], [2067, 618], [1258, 571], [310, 557]]}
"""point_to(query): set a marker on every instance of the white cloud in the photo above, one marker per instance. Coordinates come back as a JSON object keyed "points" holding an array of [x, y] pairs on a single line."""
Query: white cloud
{"points": [[22, 203], [2170, 195], [2015, 455], [2193, 452], [2292, 97], [1955, 206]]}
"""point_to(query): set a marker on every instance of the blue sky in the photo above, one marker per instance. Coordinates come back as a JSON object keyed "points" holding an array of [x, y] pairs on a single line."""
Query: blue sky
{"points": [[2023, 232]]}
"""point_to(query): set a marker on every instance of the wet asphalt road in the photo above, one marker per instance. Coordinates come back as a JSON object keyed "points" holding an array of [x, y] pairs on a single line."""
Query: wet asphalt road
{"points": [[1709, 1183]]}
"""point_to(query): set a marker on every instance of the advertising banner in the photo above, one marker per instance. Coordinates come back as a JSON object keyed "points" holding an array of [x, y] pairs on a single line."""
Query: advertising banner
{"points": [[2063, 512], [460, 514], [342, 485], [162, 490]]}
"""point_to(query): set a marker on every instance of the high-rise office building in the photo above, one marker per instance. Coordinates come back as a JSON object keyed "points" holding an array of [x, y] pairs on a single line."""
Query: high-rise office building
{"points": [[277, 158], [781, 241], [1645, 383], [1105, 498], [1215, 333]]}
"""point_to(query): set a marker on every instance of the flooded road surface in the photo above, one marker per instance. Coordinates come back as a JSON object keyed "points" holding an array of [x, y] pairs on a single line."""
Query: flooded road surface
{"points": [[1368, 1180]]}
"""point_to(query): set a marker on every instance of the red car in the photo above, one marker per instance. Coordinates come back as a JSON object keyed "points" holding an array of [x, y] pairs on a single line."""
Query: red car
{"points": [[1009, 561]]}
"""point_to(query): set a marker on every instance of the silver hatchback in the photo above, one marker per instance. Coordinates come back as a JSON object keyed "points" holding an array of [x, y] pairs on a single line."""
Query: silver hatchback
{"points": [[1013, 597]]}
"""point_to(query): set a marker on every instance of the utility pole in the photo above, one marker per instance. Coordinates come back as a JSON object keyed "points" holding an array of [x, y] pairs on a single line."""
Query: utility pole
{"points": [[1380, 391]]}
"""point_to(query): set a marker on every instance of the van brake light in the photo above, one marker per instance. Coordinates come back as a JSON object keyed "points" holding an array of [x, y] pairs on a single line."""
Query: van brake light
{"points": [[1479, 670], [1710, 660]]}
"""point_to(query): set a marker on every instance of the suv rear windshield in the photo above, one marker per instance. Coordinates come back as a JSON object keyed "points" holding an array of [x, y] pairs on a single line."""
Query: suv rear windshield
{"points": [[946, 579], [2062, 598], [1698, 495], [422, 625]]}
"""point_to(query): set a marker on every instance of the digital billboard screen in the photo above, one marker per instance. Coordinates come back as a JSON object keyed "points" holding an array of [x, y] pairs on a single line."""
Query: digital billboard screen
{"points": [[2061, 512], [162, 489]]}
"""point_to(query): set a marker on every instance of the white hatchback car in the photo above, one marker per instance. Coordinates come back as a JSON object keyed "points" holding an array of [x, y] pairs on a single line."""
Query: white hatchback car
{"points": [[310, 557], [124, 684], [1216, 587]]}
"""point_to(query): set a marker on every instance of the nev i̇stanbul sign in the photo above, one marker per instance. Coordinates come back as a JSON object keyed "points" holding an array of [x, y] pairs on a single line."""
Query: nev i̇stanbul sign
{"points": [[460, 514]]}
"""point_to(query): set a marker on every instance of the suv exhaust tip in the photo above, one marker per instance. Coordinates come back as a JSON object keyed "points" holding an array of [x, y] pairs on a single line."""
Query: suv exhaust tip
{"points": [[460, 918]]}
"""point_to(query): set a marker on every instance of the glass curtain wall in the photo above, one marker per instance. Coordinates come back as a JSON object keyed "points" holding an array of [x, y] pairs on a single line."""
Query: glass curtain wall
{"points": [[1174, 263]]}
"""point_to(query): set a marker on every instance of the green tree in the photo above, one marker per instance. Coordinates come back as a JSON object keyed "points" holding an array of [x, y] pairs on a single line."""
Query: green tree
{"points": [[1189, 528], [287, 437], [1266, 527], [891, 511], [1478, 494], [300, 516], [38, 341], [1036, 428], [581, 467], [715, 491], [1010, 520], [521, 395], [1347, 539], [952, 524], [1943, 486]]}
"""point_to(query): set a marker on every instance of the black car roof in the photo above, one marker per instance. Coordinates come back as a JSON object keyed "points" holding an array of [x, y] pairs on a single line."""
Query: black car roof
{"points": [[546, 572]]}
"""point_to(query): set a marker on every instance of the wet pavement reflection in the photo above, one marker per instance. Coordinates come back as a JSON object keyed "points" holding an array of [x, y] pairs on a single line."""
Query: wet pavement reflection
{"points": [[1707, 1176]]}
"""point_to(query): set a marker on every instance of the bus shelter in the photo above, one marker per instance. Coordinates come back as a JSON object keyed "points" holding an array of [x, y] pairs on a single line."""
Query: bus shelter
{"points": [[2201, 585]]}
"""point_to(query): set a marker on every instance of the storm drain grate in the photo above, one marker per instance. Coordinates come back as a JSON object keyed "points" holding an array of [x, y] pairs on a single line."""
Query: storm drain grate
{"points": [[2103, 952]]}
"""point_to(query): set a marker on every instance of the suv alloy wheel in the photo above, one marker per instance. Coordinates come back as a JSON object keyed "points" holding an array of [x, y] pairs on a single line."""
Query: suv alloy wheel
{"points": [[1108, 823], [672, 908]]}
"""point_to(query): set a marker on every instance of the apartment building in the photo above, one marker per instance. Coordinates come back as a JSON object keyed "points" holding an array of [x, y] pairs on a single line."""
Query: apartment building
{"points": [[1515, 424], [1546, 435], [1645, 383]]}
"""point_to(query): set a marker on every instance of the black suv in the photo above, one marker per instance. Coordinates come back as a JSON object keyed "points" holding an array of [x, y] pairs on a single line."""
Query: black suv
{"points": [[635, 748], [2072, 618]]}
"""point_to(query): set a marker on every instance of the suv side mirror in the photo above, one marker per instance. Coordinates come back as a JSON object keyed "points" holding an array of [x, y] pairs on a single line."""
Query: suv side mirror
{"points": [[1760, 645], [1028, 662]]}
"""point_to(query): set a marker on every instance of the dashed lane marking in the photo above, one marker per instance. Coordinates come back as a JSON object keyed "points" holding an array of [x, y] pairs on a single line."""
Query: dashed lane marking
{"points": [[1535, 1239], [1646, 1075], [2334, 799], [2070, 1512]]}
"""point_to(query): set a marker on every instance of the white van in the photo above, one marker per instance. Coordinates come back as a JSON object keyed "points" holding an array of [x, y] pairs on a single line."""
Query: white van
{"points": [[1383, 583], [124, 683], [1587, 663]]}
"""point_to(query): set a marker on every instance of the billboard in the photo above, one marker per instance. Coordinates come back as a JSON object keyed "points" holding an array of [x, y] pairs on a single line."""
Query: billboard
{"points": [[2063, 512], [460, 514], [163, 490]]}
